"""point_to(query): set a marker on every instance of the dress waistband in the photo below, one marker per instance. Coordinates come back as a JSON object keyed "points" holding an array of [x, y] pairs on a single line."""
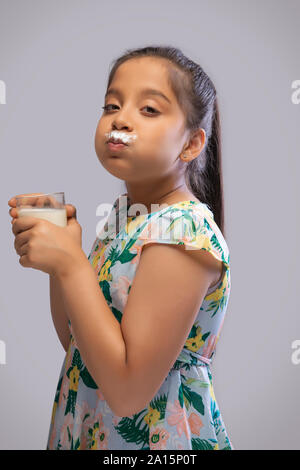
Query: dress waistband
{"points": [[191, 358]]}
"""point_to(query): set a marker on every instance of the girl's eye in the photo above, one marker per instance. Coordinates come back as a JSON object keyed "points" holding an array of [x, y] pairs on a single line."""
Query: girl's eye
{"points": [[149, 107], [106, 108]]}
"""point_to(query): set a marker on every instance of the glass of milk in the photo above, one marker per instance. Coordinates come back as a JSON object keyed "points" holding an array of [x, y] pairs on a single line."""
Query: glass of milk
{"points": [[49, 206]]}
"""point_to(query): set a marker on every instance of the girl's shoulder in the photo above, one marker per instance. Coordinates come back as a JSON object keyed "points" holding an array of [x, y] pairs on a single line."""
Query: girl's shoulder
{"points": [[189, 223]]}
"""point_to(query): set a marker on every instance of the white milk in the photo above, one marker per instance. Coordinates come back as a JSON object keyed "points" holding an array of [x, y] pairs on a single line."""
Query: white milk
{"points": [[56, 216]]}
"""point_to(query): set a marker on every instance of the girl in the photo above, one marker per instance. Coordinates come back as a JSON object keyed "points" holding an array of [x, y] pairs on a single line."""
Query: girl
{"points": [[136, 374]]}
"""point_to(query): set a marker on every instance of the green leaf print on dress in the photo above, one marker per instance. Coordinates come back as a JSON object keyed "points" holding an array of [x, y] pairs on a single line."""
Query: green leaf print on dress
{"points": [[75, 372]]}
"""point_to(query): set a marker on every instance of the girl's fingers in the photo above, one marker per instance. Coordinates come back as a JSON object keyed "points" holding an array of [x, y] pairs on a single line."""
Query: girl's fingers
{"points": [[20, 240], [12, 202], [13, 213], [41, 200], [38, 201], [71, 210], [47, 201]]}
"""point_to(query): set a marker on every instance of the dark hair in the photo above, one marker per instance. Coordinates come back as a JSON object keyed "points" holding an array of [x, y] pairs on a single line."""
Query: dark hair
{"points": [[196, 95]]}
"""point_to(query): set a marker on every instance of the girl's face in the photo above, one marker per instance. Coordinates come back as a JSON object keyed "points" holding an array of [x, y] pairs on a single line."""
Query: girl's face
{"points": [[158, 123]]}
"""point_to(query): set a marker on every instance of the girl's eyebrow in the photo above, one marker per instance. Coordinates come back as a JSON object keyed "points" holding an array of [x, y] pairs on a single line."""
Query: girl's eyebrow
{"points": [[146, 91]]}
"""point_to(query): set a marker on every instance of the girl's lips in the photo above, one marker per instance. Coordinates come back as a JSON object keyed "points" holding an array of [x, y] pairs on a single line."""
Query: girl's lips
{"points": [[113, 146]]}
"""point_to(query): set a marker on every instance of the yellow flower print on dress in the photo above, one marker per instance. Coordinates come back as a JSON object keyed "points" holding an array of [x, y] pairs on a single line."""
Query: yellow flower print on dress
{"points": [[152, 416], [218, 293], [94, 439], [98, 435], [211, 392], [98, 256], [104, 274], [203, 241], [195, 343], [131, 224], [74, 378]]}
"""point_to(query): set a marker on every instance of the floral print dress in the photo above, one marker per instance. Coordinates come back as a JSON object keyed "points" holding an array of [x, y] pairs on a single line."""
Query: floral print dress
{"points": [[184, 413]]}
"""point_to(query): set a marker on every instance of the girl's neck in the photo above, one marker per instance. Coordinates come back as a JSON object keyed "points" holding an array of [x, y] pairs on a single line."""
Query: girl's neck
{"points": [[178, 194]]}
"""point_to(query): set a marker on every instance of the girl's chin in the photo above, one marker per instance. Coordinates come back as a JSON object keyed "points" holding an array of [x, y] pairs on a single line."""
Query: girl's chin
{"points": [[115, 166]]}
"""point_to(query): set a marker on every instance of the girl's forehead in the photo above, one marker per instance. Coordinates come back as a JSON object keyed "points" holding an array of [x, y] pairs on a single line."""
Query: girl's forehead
{"points": [[149, 74], [144, 68], [145, 62]]}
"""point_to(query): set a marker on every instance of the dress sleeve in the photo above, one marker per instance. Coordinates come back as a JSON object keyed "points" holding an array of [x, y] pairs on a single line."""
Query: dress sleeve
{"points": [[194, 227]]}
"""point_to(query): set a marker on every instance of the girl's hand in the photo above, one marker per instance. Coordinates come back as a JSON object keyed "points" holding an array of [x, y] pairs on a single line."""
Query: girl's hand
{"points": [[73, 227], [45, 246]]}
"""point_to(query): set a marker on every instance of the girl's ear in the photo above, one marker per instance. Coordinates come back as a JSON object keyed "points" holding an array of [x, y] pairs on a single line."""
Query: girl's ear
{"points": [[196, 143]]}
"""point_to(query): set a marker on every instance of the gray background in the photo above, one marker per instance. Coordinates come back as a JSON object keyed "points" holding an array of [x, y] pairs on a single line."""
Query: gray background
{"points": [[54, 59]]}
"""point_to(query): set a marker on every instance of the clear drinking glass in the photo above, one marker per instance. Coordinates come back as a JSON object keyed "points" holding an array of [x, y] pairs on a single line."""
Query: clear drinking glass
{"points": [[50, 206]]}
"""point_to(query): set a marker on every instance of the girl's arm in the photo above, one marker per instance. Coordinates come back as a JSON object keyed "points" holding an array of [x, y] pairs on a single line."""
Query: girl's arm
{"points": [[97, 332], [130, 360], [58, 313]]}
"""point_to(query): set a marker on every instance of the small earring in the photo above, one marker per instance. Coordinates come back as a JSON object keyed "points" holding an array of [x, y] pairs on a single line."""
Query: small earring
{"points": [[185, 155]]}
